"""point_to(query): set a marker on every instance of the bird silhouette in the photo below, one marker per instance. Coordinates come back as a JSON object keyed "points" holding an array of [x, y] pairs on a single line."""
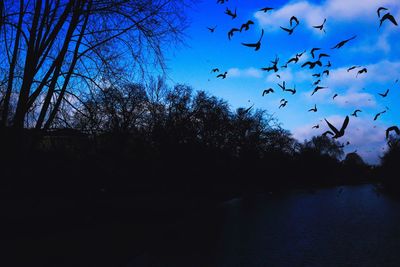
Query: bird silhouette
{"points": [[215, 70], [290, 31], [279, 76], [312, 64], [314, 109], [384, 94], [342, 43], [352, 68], [283, 104], [317, 82], [255, 45], [222, 75], [323, 55], [315, 126], [313, 50], [328, 65], [364, 70], [338, 133], [379, 114], [267, 91], [325, 72], [231, 32], [316, 89], [294, 19], [265, 9], [355, 112], [230, 13], [283, 86], [294, 59], [389, 17], [392, 128], [300, 54], [320, 27], [293, 91], [379, 11], [317, 75], [212, 29], [246, 26], [274, 66], [334, 96], [221, 1]]}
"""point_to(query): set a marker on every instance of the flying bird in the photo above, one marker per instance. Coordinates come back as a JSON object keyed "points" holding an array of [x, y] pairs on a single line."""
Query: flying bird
{"points": [[334, 96], [325, 72], [338, 133], [294, 19], [283, 104], [231, 32], [212, 29], [323, 55], [316, 89], [314, 109], [317, 75], [355, 112], [274, 66], [283, 86], [215, 70], [294, 59], [384, 94], [246, 26], [364, 70], [342, 43], [328, 65], [352, 68], [265, 9], [222, 75], [392, 128], [320, 27], [389, 17], [301, 54], [313, 50], [379, 114], [315, 126], [221, 1], [317, 82], [293, 91], [229, 13], [267, 91], [379, 11], [256, 45], [290, 31], [312, 64]]}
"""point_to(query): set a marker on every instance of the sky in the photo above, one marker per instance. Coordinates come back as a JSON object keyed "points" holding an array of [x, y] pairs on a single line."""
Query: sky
{"points": [[375, 48]]}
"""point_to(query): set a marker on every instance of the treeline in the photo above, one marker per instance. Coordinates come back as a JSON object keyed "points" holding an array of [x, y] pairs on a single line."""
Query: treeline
{"points": [[152, 138]]}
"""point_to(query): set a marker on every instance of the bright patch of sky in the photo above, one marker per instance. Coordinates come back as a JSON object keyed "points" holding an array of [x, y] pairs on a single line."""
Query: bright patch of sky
{"points": [[375, 48]]}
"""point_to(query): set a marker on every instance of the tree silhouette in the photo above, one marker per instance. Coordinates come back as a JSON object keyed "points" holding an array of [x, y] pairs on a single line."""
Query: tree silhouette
{"points": [[51, 49]]}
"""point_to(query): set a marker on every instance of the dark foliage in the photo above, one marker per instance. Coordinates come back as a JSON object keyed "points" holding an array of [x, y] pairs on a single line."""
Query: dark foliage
{"points": [[138, 154]]}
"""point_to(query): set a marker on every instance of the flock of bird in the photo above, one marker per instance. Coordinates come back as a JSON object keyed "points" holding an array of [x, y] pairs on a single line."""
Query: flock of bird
{"points": [[318, 56]]}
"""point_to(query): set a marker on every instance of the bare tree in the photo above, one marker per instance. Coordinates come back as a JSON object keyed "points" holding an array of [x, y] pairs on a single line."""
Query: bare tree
{"points": [[51, 47]]}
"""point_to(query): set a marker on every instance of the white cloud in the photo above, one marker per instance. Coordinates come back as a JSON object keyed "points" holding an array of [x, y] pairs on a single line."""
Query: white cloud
{"points": [[314, 14], [355, 99], [248, 72], [380, 72], [364, 135]]}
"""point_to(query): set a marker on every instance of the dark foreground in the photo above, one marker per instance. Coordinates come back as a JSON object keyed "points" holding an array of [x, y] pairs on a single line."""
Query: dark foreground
{"points": [[339, 226]]}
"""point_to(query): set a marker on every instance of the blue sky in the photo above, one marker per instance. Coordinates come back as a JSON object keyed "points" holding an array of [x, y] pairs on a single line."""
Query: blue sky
{"points": [[377, 49]]}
